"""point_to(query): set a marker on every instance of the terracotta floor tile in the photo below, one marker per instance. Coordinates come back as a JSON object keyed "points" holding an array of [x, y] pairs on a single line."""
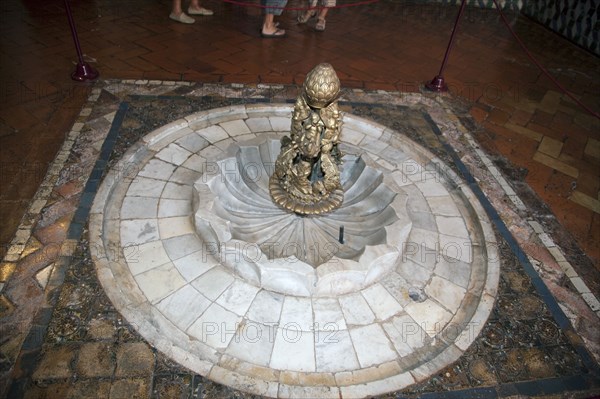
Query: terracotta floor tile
{"points": [[589, 184], [498, 116]]}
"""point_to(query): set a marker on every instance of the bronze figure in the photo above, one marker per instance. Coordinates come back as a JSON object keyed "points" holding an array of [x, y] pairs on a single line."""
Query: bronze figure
{"points": [[306, 179]]}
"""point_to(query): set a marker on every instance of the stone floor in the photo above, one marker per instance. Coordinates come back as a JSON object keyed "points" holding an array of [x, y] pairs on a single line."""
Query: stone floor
{"points": [[541, 149], [79, 345]]}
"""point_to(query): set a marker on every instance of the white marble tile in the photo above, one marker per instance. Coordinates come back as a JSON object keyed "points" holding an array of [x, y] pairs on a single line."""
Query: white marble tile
{"points": [[401, 179], [141, 258], [474, 327], [196, 163], [193, 142], [397, 339], [238, 297], [227, 145], [160, 282], [280, 124], [397, 286], [372, 146], [423, 247], [356, 310], [361, 125], [212, 283], [184, 306], [454, 270], [180, 246], [448, 294], [372, 345], [383, 304], [145, 187], [174, 207], [431, 316], [213, 133], [157, 169], [211, 153], [408, 332], [294, 350], [452, 226], [328, 314], [235, 128], [351, 136], [334, 351], [296, 313], [174, 154], [194, 265], [385, 165], [394, 156], [138, 231], [266, 307], [455, 249], [175, 226], [412, 170], [245, 137], [430, 185], [253, 343], [259, 386], [139, 208], [414, 274], [260, 124], [443, 206], [177, 191], [185, 176], [216, 327]]}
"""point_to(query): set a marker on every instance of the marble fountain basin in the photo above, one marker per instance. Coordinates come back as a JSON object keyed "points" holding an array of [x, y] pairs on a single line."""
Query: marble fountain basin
{"points": [[195, 257]]}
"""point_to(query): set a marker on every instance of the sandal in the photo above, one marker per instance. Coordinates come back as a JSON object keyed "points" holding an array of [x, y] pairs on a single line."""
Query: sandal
{"points": [[278, 33], [306, 15], [320, 25]]}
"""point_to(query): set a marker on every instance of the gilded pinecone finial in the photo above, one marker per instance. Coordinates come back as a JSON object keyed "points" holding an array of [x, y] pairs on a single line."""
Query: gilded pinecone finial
{"points": [[321, 86]]}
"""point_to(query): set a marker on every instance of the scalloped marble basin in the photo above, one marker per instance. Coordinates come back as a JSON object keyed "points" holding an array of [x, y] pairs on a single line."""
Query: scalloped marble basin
{"points": [[289, 253]]}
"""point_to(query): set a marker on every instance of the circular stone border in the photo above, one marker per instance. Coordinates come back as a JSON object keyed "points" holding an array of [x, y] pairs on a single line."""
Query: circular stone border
{"points": [[392, 336]]}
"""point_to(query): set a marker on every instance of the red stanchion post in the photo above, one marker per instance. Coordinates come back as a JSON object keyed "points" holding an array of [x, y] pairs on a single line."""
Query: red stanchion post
{"points": [[83, 71], [438, 83]]}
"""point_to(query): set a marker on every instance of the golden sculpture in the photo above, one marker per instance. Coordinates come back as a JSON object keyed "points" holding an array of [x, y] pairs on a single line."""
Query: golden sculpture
{"points": [[306, 179]]}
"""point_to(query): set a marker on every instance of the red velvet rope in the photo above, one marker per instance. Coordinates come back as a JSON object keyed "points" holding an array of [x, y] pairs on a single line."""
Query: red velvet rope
{"points": [[246, 4]]}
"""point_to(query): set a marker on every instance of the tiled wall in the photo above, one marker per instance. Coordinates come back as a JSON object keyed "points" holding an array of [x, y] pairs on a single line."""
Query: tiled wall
{"points": [[505, 4], [577, 20]]}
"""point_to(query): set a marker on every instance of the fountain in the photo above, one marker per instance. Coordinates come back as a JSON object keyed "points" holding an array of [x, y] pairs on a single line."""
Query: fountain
{"points": [[278, 251]]}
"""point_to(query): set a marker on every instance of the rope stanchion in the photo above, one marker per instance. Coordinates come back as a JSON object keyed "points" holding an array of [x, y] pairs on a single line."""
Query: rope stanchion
{"points": [[83, 71], [438, 83], [541, 67]]}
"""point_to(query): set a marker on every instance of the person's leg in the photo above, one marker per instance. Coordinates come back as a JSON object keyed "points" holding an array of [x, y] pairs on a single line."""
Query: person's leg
{"points": [[178, 15], [323, 13], [176, 9], [308, 14], [269, 27], [320, 25]]}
